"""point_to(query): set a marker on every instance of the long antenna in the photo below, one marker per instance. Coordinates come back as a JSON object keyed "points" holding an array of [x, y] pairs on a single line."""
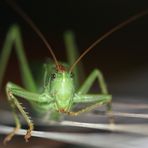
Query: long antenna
{"points": [[33, 26], [116, 28]]}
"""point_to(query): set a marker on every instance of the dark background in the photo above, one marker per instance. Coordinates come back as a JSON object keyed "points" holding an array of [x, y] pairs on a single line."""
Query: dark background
{"points": [[122, 57]]}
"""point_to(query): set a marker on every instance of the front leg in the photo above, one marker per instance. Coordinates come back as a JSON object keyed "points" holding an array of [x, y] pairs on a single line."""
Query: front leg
{"points": [[98, 100], [96, 74], [13, 90]]}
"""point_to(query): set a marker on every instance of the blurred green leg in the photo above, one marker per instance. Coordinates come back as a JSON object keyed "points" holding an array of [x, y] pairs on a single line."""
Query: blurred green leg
{"points": [[72, 55], [14, 38]]}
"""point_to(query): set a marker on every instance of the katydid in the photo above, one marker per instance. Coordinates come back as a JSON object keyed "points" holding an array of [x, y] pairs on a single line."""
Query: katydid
{"points": [[60, 93]]}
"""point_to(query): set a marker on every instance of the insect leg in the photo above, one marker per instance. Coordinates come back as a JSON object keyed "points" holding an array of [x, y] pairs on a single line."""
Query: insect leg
{"points": [[72, 55], [17, 122], [96, 74], [14, 37], [98, 99], [13, 90]]}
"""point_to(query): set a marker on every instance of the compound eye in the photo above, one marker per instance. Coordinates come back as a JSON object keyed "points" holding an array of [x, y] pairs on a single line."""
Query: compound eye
{"points": [[71, 75], [53, 76]]}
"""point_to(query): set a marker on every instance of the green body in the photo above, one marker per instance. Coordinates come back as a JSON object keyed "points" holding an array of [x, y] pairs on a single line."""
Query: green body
{"points": [[61, 90]]}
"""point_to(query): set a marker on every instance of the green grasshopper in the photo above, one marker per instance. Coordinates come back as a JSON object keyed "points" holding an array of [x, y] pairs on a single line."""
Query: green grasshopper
{"points": [[61, 91]]}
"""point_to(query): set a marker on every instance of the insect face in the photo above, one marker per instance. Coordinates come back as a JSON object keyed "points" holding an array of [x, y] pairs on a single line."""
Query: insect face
{"points": [[62, 89]]}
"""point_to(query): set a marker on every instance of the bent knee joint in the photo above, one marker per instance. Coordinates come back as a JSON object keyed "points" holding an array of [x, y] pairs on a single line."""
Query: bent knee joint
{"points": [[9, 85]]}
